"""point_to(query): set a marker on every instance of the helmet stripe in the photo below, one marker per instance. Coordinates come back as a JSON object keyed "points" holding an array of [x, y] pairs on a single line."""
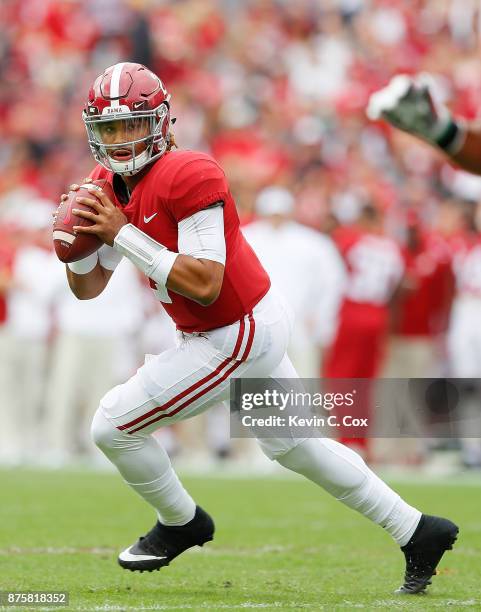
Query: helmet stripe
{"points": [[115, 84]]}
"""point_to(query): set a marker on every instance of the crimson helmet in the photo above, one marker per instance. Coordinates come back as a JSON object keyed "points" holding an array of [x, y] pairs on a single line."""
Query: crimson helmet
{"points": [[130, 103]]}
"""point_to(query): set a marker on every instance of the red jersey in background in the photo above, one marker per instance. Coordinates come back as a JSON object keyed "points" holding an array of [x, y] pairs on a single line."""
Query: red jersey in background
{"points": [[6, 265], [375, 267], [423, 310]]}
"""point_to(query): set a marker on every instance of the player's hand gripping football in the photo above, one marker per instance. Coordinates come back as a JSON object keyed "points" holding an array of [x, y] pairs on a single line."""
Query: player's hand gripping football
{"points": [[107, 219], [64, 196], [411, 104]]}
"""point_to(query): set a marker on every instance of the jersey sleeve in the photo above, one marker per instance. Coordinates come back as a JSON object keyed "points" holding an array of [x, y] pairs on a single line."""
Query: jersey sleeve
{"points": [[196, 185]]}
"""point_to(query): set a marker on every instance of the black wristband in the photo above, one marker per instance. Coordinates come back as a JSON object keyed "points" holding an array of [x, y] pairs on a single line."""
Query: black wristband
{"points": [[449, 136]]}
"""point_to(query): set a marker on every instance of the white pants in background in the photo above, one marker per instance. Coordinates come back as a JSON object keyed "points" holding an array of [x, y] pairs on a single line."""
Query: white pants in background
{"points": [[22, 376], [464, 337], [407, 357], [464, 351], [82, 370]]}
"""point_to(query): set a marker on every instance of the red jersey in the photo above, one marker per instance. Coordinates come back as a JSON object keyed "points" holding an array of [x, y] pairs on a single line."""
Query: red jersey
{"points": [[6, 265], [175, 187], [375, 267], [424, 310]]}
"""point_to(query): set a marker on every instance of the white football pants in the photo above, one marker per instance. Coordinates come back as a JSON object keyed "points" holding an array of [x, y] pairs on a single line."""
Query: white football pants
{"points": [[464, 351], [184, 381]]}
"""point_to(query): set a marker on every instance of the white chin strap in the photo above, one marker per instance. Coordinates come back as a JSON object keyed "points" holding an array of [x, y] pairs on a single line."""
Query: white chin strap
{"points": [[132, 166]]}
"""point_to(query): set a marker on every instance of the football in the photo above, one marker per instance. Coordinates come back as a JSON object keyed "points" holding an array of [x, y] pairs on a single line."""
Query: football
{"points": [[68, 245]]}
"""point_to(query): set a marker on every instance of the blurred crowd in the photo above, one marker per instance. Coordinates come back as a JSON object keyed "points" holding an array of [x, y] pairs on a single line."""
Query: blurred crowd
{"points": [[371, 235]]}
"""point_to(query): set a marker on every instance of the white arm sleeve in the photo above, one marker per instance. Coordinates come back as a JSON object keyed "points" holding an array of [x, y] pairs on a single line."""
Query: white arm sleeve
{"points": [[202, 235], [109, 258]]}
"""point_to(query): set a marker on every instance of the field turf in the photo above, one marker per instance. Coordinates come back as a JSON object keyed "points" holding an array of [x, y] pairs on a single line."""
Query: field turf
{"points": [[281, 544]]}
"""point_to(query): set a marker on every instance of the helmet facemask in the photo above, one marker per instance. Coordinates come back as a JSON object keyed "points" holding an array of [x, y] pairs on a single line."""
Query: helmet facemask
{"points": [[132, 127]]}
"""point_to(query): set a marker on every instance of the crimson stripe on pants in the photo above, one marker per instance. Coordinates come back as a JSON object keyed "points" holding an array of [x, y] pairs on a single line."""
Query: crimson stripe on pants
{"points": [[247, 349], [194, 386]]}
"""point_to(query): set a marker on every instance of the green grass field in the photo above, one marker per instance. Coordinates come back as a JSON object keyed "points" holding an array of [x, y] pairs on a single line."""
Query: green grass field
{"points": [[280, 544]]}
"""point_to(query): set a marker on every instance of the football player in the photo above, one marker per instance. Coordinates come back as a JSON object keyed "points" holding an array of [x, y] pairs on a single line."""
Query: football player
{"points": [[413, 105], [375, 268], [175, 219]]}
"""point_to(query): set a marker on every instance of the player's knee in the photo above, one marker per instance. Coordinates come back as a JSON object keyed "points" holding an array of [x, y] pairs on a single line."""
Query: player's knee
{"points": [[276, 448], [103, 432]]}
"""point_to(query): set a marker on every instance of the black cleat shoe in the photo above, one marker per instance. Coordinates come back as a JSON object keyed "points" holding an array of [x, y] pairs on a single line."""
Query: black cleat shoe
{"points": [[423, 552], [162, 543]]}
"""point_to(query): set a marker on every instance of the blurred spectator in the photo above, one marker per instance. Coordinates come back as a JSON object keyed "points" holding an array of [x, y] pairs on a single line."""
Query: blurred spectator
{"points": [[6, 264], [27, 329], [423, 303], [464, 336], [94, 349], [306, 268], [375, 268], [419, 321]]}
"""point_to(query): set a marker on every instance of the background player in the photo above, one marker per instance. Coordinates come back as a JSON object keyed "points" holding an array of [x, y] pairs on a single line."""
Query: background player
{"points": [[375, 268], [308, 271], [175, 219], [413, 104]]}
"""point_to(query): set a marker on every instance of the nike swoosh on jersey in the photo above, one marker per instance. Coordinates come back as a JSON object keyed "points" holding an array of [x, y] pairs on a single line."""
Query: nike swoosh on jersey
{"points": [[149, 219]]}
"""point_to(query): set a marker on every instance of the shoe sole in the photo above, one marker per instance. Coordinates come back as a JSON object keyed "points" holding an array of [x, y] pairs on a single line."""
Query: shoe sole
{"points": [[449, 541], [153, 565]]}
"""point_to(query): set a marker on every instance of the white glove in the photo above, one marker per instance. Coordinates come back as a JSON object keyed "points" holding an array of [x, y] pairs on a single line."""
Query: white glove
{"points": [[411, 105]]}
